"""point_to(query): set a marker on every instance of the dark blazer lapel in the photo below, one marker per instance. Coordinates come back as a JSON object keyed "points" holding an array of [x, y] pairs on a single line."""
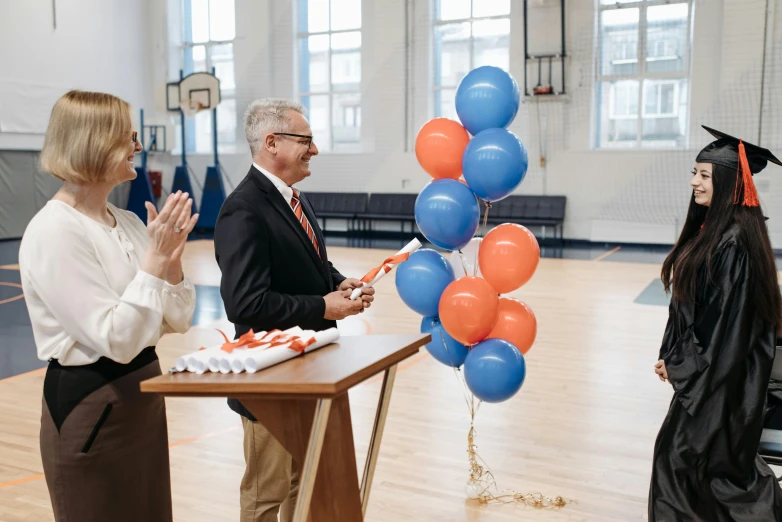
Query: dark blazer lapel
{"points": [[279, 204]]}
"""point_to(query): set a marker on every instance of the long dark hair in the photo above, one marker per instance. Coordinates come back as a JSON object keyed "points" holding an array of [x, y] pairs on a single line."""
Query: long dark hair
{"points": [[695, 247]]}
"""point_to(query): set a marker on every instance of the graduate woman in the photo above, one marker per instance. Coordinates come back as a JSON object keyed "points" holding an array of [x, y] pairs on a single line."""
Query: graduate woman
{"points": [[718, 348], [101, 288]]}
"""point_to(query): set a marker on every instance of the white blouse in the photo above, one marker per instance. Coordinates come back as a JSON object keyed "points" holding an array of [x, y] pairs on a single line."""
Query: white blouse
{"points": [[85, 293]]}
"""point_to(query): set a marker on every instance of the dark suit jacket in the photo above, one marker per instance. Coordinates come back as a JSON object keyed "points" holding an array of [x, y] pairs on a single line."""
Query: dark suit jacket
{"points": [[271, 275]]}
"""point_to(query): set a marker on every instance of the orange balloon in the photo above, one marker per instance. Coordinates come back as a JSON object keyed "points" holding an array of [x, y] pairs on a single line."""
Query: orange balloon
{"points": [[468, 309], [439, 147], [508, 257], [516, 324]]}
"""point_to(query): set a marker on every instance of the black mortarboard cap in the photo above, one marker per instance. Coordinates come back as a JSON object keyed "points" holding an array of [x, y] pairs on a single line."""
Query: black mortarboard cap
{"points": [[725, 151]]}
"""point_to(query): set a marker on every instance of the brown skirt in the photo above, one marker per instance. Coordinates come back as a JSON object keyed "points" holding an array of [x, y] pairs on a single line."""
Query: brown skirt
{"points": [[104, 444]]}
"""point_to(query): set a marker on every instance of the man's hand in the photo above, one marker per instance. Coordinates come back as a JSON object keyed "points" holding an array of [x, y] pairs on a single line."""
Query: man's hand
{"points": [[339, 305], [367, 294], [660, 370]]}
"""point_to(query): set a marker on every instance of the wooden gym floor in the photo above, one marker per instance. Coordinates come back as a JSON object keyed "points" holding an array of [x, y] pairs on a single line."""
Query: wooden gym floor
{"points": [[583, 425]]}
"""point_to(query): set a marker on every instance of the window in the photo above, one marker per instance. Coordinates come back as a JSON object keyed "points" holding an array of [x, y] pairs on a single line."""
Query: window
{"points": [[643, 73], [209, 30], [329, 77], [467, 34]]}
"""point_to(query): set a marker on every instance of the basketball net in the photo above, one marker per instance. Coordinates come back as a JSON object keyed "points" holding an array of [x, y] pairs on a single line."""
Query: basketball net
{"points": [[190, 106]]}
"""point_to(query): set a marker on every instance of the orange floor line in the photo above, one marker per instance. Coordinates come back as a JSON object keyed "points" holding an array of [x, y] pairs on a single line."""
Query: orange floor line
{"points": [[605, 255], [402, 366], [21, 481]]}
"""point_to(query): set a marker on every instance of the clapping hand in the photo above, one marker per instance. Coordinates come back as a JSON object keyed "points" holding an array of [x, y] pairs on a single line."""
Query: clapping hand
{"points": [[168, 231]]}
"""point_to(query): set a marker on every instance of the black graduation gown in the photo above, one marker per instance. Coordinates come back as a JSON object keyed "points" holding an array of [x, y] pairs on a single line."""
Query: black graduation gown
{"points": [[718, 355], [774, 398], [773, 410]]}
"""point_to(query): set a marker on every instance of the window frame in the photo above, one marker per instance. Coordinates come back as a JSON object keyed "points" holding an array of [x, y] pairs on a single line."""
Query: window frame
{"points": [[188, 66], [641, 74], [438, 88], [299, 36]]}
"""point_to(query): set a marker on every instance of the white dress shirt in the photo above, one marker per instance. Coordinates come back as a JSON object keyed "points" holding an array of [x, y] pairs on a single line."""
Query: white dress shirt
{"points": [[85, 292], [285, 190]]}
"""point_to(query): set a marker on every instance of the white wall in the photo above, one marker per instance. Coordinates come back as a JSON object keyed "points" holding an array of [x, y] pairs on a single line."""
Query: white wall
{"points": [[99, 45]]}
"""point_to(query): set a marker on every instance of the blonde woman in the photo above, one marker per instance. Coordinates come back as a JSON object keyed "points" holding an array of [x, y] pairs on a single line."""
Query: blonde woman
{"points": [[101, 288]]}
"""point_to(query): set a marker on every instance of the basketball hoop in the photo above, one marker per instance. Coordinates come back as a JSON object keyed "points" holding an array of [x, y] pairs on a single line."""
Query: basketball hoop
{"points": [[194, 93], [191, 106]]}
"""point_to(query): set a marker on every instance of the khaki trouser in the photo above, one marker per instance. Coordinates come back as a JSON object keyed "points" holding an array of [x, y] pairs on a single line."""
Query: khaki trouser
{"points": [[271, 479]]}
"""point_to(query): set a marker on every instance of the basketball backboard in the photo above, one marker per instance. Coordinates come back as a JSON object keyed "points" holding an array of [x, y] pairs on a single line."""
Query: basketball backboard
{"points": [[195, 92]]}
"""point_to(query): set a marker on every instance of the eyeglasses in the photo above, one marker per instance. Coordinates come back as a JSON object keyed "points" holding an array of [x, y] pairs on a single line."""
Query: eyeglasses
{"points": [[134, 136], [307, 142]]}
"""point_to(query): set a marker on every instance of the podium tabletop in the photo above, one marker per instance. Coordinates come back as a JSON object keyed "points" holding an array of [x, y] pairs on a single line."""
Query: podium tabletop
{"points": [[325, 372]]}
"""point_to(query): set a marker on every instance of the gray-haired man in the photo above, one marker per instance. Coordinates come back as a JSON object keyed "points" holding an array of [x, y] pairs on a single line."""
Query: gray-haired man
{"points": [[275, 275]]}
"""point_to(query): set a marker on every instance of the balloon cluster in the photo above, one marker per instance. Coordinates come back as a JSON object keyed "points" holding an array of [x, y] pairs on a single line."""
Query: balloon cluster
{"points": [[470, 323]]}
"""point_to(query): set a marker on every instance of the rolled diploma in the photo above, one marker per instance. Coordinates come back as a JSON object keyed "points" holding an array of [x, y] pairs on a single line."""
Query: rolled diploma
{"points": [[202, 360], [259, 358], [269, 356], [411, 247], [196, 362], [222, 361]]}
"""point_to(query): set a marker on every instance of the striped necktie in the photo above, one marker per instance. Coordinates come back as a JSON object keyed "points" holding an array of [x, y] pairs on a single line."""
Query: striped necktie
{"points": [[296, 205]]}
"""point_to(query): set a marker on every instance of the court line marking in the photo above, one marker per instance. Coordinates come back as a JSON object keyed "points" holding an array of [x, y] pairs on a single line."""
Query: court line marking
{"points": [[21, 481], [15, 298], [606, 254], [412, 361], [366, 324]]}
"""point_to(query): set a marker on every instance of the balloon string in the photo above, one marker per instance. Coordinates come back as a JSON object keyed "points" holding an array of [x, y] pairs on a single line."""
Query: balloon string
{"points": [[464, 268], [486, 213], [475, 260], [481, 477]]}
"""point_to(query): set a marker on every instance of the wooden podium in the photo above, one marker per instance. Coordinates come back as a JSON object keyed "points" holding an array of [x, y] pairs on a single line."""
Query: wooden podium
{"points": [[304, 403]]}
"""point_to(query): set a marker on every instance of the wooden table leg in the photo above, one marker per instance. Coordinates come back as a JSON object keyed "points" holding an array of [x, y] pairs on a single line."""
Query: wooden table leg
{"points": [[335, 490], [377, 434], [310, 470]]}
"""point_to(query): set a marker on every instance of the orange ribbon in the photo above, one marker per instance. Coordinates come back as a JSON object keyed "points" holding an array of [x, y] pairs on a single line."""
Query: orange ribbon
{"points": [[393, 260], [247, 340], [279, 338], [299, 345]]}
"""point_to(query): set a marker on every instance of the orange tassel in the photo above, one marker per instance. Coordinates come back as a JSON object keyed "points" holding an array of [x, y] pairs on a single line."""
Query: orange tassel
{"points": [[750, 192]]}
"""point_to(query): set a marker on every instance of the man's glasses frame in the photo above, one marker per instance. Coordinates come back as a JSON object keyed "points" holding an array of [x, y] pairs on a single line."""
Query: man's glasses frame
{"points": [[308, 139]]}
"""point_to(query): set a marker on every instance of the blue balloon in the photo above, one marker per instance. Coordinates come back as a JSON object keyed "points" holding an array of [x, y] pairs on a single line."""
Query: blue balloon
{"points": [[494, 370], [494, 164], [486, 98], [443, 347], [447, 213], [421, 280]]}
